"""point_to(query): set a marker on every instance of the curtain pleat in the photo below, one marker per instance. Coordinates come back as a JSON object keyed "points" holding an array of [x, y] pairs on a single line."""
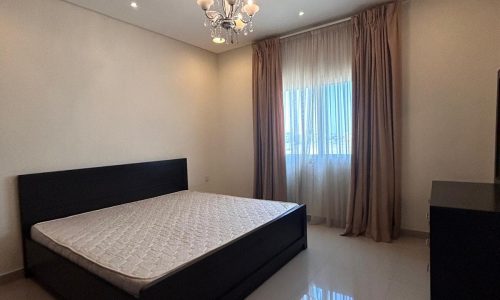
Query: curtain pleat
{"points": [[269, 172], [375, 206], [318, 120]]}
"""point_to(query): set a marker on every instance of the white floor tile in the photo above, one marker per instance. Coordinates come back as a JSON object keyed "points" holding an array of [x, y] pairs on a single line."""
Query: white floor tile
{"points": [[347, 268]]}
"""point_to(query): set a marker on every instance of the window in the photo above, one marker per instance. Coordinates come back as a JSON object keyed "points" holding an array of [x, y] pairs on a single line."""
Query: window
{"points": [[318, 121]]}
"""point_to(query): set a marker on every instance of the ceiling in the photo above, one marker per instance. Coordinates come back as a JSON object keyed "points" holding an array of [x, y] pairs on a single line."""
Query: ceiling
{"points": [[183, 19]]}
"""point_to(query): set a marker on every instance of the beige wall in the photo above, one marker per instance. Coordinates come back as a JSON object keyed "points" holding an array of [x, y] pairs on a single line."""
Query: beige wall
{"points": [[234, 172], [78, 89], [451, 53]]}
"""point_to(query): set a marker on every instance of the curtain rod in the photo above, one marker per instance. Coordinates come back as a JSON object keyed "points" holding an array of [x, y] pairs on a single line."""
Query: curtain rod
{"points": [[327, 24], [316, 27]]}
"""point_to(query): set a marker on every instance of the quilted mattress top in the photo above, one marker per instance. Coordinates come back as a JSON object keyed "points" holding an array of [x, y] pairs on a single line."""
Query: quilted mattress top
{"points": [[147, 239]]}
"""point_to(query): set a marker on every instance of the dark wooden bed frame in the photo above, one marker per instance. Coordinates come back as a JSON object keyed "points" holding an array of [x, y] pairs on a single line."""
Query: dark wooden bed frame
{"points": [[232, 272]]}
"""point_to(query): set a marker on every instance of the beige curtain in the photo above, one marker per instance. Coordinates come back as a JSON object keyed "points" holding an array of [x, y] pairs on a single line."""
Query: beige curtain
{"points": [[317, 92], [375, 206], [269, 139]]}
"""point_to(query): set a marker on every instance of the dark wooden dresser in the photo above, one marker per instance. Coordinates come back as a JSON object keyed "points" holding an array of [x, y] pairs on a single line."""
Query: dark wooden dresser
{"points": [[465, 240]]}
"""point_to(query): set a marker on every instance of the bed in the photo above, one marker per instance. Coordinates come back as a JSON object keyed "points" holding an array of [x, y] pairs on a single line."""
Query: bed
{"points": [[106, 233]]}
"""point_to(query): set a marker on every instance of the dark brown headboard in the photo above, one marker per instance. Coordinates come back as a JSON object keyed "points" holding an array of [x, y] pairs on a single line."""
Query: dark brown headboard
{"points": [[52, 195]]}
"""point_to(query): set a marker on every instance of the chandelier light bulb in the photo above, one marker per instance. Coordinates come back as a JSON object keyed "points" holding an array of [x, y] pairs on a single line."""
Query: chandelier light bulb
{"points": [[251, 8], [205, 4], [239, 24]]}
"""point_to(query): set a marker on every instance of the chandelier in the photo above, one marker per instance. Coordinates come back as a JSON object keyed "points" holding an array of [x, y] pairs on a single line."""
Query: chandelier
{"points": [[228, 18]]}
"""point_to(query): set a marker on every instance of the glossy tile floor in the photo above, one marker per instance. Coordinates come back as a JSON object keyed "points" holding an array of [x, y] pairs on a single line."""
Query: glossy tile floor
{"points": [[342, 268], [332, 268]]}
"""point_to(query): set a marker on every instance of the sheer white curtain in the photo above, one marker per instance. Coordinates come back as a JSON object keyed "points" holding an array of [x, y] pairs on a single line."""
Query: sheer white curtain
{"points": [[317, 95]]}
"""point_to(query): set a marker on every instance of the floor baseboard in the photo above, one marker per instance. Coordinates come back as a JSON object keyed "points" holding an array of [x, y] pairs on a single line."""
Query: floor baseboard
{"points": [[414, 233], [11, 276]]}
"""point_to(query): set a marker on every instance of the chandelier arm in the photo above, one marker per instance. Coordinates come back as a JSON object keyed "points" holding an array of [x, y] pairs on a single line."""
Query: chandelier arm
{"points": [[231, 12], [224, 8], [246, 22], [218, 16], [215, 24]]}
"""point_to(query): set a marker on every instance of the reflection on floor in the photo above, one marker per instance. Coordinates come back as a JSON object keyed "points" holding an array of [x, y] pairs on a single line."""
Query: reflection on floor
{"points": [[336, 267], [316, 292], [332, 268]]}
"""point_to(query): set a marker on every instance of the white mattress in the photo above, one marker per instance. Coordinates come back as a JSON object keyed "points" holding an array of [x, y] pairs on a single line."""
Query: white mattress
{"points": [[133, 244]]}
